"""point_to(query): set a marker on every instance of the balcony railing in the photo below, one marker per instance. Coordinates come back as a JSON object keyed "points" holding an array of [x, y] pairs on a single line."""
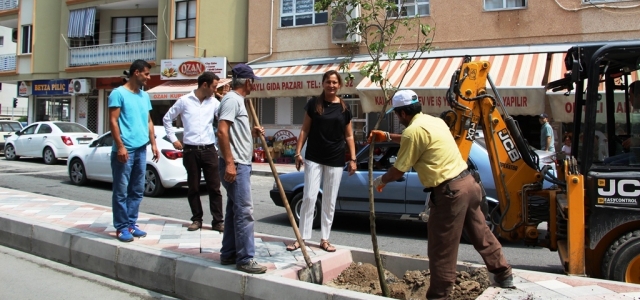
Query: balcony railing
{"points": [[7, 62], [112, 53], [8, 4]]}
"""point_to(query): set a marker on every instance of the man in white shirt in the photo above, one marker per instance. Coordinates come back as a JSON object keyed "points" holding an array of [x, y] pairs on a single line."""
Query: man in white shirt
{"points": [[197, 111]]}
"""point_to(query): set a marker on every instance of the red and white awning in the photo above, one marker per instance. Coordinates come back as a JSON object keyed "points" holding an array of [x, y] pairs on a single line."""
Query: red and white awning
{"points": [[299, 80], [517, 77], [172, 90], [562, 105]]}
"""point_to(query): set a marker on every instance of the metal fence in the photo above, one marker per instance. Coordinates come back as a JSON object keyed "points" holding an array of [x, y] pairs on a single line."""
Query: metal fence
{"points": [[7, 62], [112, 53], [8, 4]]}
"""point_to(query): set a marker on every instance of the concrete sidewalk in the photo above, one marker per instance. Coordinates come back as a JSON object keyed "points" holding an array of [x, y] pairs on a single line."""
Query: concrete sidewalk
{"points": [[186, 264]]}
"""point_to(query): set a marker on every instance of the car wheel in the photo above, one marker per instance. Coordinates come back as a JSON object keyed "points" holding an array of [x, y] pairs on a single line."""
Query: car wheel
{"points": [[10, 153], [77, 173], [49, 157], [296, 207], [152, 184], [622, 260]]}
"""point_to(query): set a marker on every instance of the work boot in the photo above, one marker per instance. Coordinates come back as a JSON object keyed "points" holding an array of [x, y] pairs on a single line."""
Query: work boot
{"points": [[252, 267], [218, 226], [505, 282], [195, 226]]}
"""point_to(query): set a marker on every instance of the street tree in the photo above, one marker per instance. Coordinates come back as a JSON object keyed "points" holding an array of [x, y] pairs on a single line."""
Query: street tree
{"points": [[388, 30]]}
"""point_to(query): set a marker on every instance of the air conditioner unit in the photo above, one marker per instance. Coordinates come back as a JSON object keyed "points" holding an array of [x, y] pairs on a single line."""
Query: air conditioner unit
{"points": [[339, 27], [14, 35], [79, 86]]}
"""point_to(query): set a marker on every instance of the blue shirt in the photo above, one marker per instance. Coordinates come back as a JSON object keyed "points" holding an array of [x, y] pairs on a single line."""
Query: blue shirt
{"points": [[134, 117]]}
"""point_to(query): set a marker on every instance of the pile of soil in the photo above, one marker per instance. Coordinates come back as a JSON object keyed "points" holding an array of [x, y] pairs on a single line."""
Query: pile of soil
{"points": [[413, 285]]}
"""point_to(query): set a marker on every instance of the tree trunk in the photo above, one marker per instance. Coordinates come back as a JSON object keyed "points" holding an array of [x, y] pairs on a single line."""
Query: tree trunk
{"points": [[372, 218]]}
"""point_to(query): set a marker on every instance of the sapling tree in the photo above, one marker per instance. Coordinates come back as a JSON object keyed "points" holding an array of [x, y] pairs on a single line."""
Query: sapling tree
{"points": [[389, 30]]}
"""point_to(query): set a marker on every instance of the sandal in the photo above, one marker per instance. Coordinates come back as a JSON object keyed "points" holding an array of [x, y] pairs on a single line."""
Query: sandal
{"points": [[326, 246], [293, 247]]}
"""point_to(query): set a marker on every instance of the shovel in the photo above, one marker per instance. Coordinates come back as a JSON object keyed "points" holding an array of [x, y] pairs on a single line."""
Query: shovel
{"points": [[313, 272]]}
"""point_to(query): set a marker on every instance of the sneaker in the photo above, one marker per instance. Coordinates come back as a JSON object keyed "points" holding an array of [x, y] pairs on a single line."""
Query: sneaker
{"points": [[195, 226], [506, 283], [124, 235], [252, 267], [137, 232], [218, 226], [228, 261]]}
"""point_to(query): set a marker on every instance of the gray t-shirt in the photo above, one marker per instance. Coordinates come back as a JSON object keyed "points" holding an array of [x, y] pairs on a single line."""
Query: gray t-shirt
{"points": [[545, 132], [232, 109]]}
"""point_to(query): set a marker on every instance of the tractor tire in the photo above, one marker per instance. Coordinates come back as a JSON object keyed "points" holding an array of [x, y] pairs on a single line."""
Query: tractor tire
{"points": [[622, 260]]}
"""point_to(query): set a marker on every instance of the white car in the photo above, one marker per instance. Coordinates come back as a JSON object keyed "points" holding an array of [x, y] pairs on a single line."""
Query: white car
{"points": [[49, 140], [93, 162]]}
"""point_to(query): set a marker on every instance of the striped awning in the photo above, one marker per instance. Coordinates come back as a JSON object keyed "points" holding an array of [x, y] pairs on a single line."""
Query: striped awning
{"points": [[518, 78], [562, 105], [82, 22], [300, 80], [174, 89]]}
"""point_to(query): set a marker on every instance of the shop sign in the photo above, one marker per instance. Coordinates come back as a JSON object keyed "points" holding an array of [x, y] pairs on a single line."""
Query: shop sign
{"points": [[563, 107], [179, 69], [166, 96], [24, 88], [516, 101], [50, 87], [296, 86]]}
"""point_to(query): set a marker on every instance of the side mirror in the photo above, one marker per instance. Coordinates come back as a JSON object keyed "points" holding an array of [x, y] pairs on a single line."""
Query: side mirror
{"points": [[18, 132], [94, 143]]}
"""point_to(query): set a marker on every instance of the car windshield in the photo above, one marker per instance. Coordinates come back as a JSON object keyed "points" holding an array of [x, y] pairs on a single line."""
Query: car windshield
{"points": [[71, 127], [11, 126], [179, 135]]}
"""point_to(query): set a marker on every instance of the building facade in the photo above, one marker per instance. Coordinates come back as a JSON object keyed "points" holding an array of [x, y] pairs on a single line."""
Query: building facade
{"points": [[9, 91], [70, 54], [292, 45]]}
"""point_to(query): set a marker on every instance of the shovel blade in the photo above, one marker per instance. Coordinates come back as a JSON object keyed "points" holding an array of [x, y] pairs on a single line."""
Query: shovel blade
{"points": [[311, 274]]}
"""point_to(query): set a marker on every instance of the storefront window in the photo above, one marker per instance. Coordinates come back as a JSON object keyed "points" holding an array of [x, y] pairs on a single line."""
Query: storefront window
{"points": [[298, 111], [53, 109], [268, 111]]}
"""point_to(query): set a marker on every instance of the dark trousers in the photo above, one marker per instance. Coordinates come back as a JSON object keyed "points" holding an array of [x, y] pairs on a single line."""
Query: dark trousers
{"points": [[194, 161], [454, 206]]}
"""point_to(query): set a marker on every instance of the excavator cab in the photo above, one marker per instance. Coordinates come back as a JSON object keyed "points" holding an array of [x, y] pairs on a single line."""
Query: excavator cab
{"points": [[601, 75]]}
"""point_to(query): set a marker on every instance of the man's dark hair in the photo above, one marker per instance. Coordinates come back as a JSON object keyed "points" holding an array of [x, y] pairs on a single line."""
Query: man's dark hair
{"points": [[138, 65], [207, 77], [409, 110]]}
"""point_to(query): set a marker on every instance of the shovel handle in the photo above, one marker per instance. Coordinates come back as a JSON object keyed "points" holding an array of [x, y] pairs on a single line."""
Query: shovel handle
{"points": [[281, 189]]}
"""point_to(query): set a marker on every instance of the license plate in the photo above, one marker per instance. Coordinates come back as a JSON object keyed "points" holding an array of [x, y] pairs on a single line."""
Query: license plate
{"points": [[83, 141]]}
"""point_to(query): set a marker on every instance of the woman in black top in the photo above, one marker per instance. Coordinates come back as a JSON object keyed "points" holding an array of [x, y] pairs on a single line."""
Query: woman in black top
{"points": [[328, 132]]}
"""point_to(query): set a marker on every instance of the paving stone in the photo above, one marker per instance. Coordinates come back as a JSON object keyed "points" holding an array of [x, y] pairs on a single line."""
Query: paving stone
{"points": [[198, 279], [148, 268], [15, 232], [52, 242], [587, 290], [619, 288], [553, 284], [93, 253]]}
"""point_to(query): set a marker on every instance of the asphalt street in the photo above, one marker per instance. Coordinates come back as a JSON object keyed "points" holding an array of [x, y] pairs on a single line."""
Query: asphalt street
{"points": [[406, 237], [25, 276]]}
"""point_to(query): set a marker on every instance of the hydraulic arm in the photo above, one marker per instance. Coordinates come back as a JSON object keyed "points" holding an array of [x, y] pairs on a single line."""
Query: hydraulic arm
{"points": [[515, 167]]}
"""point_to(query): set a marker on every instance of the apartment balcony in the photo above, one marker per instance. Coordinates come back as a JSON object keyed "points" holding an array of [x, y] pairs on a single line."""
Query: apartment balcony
{"points": [[112, 53], [7, 62], [8, 4]]}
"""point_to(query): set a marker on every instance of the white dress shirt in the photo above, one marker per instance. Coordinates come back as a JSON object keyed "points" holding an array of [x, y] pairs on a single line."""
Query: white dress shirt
{"points": [[197, 118]]}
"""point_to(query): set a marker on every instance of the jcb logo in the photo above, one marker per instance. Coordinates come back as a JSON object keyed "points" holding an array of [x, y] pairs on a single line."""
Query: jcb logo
{"points": [[471, 132], [623, 187], [509, 145]]}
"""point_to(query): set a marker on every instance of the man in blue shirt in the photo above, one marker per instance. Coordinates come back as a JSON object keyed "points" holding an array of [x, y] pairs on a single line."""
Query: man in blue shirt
{"points": [[547, 142], [132, 130]]}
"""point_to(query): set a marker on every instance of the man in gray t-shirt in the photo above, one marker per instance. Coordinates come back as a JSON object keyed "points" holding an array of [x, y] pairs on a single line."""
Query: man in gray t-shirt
{"points": [[547, 142], [236, 148]]}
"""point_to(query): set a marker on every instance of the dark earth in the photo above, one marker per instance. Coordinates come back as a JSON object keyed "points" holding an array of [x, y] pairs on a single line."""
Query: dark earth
{"points": [[413, 284]]}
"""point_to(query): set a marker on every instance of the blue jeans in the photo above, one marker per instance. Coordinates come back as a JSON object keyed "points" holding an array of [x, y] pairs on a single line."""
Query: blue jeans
{"points": [[238, 222], [128, 187]]}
